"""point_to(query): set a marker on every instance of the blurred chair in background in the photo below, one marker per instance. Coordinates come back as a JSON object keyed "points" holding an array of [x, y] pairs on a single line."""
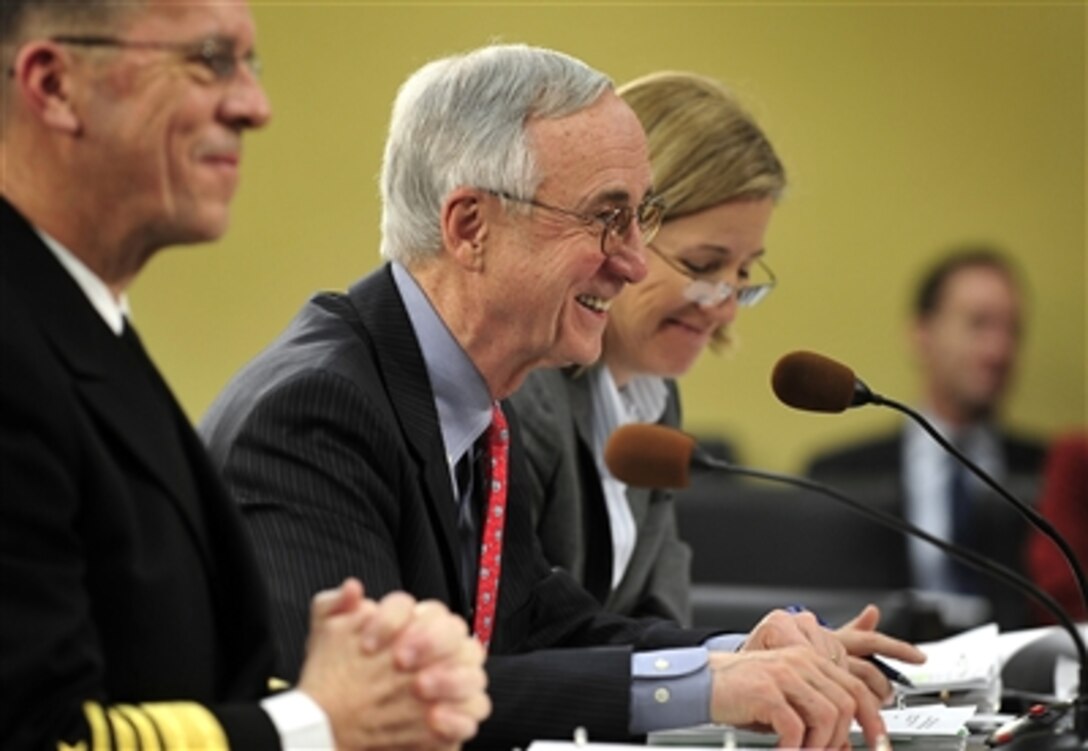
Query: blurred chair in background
{"points": [[757, 546]]}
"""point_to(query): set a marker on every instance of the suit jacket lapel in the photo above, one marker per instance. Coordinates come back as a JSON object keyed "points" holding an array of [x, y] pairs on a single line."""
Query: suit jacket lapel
{"points": [[385, 322], [598, 530]]}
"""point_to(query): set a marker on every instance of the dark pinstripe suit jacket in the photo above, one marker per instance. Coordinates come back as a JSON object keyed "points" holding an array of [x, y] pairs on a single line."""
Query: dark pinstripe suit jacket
{"points": [[569, 507], [125, 577], [876, 468], [330, 443]]}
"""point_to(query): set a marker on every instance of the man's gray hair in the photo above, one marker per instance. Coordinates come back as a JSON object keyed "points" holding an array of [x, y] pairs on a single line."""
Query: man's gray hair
{"points": [[23, 19], [460, 121], [15, 14]]}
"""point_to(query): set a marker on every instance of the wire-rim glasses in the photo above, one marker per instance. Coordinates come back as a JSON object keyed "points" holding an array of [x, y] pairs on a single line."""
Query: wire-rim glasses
{"points": [[709, 292], [615, 222], [217, 55]]}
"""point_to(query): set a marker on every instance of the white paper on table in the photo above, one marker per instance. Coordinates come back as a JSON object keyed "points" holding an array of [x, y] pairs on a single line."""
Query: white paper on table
{"points": [[964, 661], [1066, 677], [925, 721]]}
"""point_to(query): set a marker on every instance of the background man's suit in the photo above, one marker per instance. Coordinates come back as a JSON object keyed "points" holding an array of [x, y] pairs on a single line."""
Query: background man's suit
{"points": [[124, 576], [330, 442], [569, 507], [876, 469]]}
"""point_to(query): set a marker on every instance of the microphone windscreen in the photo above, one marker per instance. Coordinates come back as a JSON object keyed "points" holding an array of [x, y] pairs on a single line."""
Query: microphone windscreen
{"points": [[649, 456], [806, 380]]}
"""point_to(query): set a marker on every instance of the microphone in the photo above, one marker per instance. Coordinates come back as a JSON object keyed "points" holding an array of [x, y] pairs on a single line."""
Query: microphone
{"points": [[654, 456], [815, 383], [812, 382]]}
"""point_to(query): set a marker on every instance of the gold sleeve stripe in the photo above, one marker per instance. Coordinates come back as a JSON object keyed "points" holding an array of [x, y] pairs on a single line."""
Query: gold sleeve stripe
{"points": [[96, 720], [166, 726], [185, 725], [145, 730], [124, 735]]}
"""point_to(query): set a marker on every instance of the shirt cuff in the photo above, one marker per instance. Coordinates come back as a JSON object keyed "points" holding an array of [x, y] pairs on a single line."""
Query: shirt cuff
{"points": [[670, 688], [300, 722]]}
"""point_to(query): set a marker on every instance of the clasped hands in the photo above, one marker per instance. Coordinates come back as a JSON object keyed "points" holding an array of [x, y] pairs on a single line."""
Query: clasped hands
{"points": [[806, 682], [393, 674]]}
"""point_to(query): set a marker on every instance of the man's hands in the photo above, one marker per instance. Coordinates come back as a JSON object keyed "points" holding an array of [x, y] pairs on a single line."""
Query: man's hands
{"points": [[861, 639], [393, 673], [780, 628], [803, 696], [848, 647], [806, 681]]}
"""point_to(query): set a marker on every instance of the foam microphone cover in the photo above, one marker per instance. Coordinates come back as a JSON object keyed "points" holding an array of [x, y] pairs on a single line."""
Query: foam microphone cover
{"points": [[649, 456], [808, 381]]}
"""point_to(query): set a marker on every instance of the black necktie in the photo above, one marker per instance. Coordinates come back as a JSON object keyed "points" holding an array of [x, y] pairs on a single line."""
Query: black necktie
{"points": [[963, 528], [469, 481]]}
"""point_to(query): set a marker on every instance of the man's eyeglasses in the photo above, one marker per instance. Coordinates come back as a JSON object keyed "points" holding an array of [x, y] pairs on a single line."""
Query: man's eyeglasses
{"points": [[215, 59], [615, 222], [708, 292]]}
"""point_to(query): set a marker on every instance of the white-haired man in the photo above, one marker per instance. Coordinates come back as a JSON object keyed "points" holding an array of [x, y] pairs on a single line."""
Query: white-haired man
{"points": [[370, 438]]}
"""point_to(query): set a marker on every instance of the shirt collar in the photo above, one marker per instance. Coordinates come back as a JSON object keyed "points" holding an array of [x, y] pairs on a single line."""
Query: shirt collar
{"points": [[980, 441], [978, 436], [461, 396], [645, 398], [642, 399], [112, 310]]}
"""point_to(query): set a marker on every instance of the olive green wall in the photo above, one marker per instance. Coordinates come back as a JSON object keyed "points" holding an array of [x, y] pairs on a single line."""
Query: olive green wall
{"points": [[904, 127]]}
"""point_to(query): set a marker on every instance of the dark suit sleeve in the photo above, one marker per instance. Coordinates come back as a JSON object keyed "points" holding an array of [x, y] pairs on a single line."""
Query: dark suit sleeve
{"points": [[318, 483], [550, 693], [52, 665]]}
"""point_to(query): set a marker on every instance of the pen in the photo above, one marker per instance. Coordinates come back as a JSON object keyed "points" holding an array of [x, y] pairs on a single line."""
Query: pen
{"points": [[887, 670]]}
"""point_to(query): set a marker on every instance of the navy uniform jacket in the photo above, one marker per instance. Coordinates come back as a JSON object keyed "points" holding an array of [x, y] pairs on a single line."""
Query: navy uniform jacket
{"points": [[129, 602]]}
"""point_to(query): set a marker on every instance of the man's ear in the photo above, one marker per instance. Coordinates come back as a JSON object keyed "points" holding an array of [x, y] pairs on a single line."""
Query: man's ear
{"points": [[464, 226], [43, 81]]}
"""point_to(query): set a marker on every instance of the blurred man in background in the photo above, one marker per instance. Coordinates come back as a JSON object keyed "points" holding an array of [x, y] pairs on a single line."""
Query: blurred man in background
{"points": [[966, 334]]}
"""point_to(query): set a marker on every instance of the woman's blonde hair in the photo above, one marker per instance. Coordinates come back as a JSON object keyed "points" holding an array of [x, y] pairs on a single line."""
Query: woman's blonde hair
{"points": [[705, 149]]}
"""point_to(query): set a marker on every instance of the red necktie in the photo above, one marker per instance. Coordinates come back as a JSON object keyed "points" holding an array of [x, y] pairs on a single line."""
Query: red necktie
{"points": [[487, 585]]}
